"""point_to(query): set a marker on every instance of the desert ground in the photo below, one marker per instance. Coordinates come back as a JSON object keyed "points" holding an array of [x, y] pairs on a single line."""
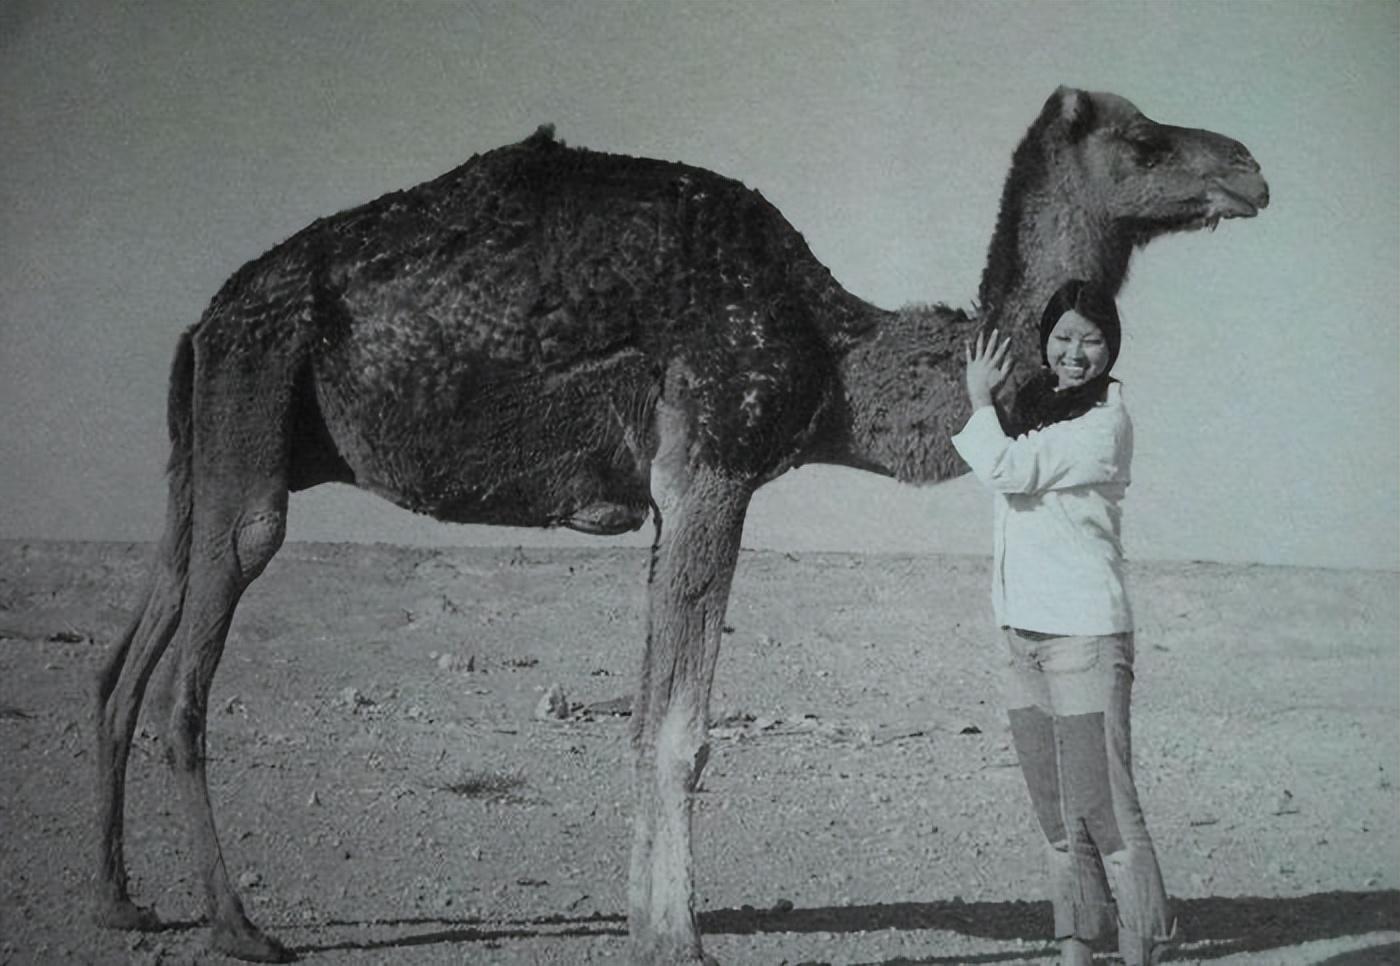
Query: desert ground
{"points": [[388, 793]]}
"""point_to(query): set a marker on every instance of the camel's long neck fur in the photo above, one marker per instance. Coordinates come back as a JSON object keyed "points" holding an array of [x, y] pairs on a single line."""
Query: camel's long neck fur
{"points": [[904, 395], [1044, 238]]}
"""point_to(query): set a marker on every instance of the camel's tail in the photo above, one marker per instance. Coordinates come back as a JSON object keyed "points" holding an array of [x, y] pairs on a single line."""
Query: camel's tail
{"points": [[175, 543], [157, 612]]}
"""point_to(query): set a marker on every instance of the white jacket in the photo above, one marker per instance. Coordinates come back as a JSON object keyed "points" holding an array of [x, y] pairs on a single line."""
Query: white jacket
{"points": [[1057, 563]]}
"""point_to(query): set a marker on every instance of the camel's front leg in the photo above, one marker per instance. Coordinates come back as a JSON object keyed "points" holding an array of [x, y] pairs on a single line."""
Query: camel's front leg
{"points": [[700, 521]]}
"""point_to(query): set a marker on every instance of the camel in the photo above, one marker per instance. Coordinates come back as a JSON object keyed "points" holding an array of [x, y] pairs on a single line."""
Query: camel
{"points": [[547, 336]]}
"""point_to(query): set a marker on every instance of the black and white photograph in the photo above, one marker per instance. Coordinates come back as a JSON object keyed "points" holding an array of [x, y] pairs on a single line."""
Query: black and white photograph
{"points": [[698, 482]]}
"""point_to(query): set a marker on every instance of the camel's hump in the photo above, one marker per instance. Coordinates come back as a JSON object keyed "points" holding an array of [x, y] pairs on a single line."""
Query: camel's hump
{"points": [[543, 136]]}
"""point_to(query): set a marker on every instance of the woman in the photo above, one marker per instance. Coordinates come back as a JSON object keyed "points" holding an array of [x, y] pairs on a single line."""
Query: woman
{"points": [[1059, 594]]}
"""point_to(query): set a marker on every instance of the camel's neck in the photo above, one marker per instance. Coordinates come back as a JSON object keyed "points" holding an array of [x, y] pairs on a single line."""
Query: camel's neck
{"points": [[902, 384], [1043, 239]]}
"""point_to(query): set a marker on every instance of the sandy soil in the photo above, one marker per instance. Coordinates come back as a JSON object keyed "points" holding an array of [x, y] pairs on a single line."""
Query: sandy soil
{"points": [[387, 794]]}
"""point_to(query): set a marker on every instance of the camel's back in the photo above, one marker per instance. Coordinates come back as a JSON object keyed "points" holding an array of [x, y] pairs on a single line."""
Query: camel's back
{"points": [[537, 255]]}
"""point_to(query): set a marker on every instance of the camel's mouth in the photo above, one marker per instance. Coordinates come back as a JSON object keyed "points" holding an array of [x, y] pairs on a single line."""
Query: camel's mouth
{"points": [[1221, 202], [1240, 195], [1235, 195]]}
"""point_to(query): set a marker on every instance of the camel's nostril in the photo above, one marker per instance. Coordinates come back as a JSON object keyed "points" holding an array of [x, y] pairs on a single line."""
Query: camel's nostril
{"points": [[1245, 160]]}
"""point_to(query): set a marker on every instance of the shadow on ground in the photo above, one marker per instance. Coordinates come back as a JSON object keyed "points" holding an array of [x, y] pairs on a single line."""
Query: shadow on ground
{"points": [[1215, 926]]}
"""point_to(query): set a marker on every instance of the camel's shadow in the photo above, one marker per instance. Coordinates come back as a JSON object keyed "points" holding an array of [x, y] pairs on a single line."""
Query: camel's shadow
{"points": [[1230, 925]]}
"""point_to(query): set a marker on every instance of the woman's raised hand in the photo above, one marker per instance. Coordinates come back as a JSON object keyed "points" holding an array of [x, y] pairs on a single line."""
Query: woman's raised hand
{"points": [[988, 365]]}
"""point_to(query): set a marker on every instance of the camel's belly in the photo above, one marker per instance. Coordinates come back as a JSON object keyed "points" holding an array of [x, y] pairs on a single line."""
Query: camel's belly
{"points": [[533, 449]]}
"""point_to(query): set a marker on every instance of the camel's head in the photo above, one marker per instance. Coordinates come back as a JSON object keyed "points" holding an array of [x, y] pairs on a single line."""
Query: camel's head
{"points": [[1093, 179], [1148, 179]]}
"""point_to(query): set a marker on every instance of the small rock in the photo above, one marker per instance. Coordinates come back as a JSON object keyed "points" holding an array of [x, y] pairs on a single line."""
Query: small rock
{"points": [[619, 707], [354, 698], [782, 906], [456, 662], [313, 798], [1286, 805], [249, 880], [553, 705]]}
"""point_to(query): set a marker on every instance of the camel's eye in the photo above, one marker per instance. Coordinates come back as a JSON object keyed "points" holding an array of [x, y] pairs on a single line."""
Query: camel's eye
{"points": [[1148, 149]]}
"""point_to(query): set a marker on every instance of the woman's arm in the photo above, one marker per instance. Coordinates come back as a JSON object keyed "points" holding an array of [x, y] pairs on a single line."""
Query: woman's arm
{"points": [[1094, 448]]}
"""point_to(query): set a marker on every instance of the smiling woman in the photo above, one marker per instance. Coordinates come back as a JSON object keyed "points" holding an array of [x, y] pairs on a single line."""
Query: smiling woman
{"points": [[1060, 596]]}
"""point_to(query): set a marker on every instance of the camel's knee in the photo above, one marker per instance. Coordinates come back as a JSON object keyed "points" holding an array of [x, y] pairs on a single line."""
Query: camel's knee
{"points": [[258, 538], [682, 751]]}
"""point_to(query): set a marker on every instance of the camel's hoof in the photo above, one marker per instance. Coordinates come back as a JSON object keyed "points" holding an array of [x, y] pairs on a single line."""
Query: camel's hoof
{"points": [[251, 946], [125, 914]]}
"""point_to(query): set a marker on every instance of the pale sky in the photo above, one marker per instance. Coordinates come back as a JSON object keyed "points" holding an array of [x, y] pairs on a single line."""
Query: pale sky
{"points": [[149, 149]]}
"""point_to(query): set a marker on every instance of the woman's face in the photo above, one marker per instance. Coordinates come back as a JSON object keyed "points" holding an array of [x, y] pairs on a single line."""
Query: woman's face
{"points": [[1076, 350]]}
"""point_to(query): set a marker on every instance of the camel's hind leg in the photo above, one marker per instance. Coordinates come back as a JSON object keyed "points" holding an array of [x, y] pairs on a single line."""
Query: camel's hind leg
{"points": [[120, 687], [122, 681], [237, 530], [700, 519]]}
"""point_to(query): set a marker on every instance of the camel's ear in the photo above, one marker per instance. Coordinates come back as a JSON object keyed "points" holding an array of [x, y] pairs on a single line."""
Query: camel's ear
{"points": [[1076, 111]]}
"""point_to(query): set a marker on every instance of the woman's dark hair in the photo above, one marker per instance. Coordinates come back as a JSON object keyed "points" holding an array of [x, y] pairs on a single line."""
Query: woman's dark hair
{"points": [[1038, 404]]}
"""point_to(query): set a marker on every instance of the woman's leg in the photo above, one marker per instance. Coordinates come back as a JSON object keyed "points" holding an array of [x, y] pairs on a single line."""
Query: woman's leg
{"points": [[1090, 681], [1078, 893], [1145, 922]]}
